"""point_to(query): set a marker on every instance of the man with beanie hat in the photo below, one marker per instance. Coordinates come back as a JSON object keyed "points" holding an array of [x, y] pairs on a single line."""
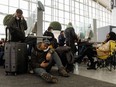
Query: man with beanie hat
{"points": [[71, 37]]}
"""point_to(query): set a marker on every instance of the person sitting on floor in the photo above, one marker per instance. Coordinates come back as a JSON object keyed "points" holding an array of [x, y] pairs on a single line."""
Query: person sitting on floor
{"points": [[42, 59], [102, 50]]}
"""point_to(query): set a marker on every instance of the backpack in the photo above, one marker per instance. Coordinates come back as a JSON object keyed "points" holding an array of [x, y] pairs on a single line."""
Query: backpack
{"points": [[66, 56], [7, 18]]}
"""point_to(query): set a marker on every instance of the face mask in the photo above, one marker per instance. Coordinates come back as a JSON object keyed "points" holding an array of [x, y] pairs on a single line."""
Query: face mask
{"points": [[17, 18], [46, 49], [52, 31]]}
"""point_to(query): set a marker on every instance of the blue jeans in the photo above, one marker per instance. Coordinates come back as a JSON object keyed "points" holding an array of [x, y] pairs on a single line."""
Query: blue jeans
{"points": [[55, 57]]}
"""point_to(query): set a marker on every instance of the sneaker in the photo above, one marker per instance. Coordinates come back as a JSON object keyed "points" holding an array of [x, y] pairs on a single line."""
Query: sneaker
{"points": [[91, 68], [49, 78], [63, 72]]}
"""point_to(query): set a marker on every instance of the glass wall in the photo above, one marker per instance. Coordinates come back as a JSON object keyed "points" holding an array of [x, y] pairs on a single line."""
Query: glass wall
{"points": [[80, 12], [8, 7]]}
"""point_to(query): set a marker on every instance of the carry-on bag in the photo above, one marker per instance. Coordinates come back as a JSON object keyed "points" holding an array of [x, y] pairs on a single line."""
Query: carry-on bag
{"points": [[16, 58]]}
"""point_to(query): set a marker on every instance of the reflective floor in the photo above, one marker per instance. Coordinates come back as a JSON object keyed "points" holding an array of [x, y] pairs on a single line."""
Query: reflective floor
{"points": [[101, 74]]}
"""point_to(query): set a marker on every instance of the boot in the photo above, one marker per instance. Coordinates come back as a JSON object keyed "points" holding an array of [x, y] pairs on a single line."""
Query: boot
{"points": [[70, 68], [92, 66], [49, 78], [78, 59], [63, 72]]}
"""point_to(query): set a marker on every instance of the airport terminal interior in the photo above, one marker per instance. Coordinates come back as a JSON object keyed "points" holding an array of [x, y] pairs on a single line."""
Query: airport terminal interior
{"points": [[97, 16]]}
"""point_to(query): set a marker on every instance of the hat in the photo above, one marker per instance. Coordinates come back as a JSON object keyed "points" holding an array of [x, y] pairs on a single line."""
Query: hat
{"points": [[19, 11], [46, 41], [69, 25]]}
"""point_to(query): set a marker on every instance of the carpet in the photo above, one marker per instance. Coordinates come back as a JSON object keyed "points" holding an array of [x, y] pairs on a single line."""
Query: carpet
{"points": [[29, 80]]}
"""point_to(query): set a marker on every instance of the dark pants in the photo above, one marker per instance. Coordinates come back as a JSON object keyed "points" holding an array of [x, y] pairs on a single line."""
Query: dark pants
{"points": [[72, 45], [90, 52]]}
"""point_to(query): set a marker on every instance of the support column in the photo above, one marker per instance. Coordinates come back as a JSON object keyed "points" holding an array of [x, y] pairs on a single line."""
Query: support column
{"points": [[95, 30], [39, 31]]}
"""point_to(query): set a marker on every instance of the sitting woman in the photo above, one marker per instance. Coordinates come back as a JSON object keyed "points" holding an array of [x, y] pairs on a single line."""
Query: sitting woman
{"points": [[101, 51]]}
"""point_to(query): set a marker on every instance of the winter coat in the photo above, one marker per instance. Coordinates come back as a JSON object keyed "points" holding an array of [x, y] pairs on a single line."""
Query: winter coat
{"points": [[13, 23], [37, 57], [104, 50], [61, 40], [70, 35], [16, 28]]}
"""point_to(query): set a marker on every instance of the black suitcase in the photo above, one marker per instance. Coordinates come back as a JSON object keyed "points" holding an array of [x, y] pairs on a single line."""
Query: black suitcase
{"points": [[1, 55], [15, 58]]}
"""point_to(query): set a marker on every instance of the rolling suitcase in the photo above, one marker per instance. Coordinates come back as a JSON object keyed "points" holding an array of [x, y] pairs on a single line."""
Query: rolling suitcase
{"points": [[15, 55], [15, 58]]}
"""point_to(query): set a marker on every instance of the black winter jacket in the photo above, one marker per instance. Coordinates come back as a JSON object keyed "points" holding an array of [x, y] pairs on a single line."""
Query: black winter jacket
{"points": [[37, 57], [70, 35]]}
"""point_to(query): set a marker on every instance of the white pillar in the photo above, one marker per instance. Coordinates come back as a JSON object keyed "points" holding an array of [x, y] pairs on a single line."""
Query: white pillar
{"points": [[95, 30], [40, 10], [39, 32]]}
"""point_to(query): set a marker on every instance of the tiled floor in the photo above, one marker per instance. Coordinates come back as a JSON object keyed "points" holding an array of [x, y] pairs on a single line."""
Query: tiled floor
{"points": [[100, 74]]}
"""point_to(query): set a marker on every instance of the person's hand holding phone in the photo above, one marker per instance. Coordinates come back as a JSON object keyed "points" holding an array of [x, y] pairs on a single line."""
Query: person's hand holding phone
{"points": [[44, 64]]}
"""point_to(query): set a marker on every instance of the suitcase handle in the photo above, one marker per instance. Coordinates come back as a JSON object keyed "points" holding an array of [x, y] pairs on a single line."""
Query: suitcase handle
{"points": [[6, 31]]}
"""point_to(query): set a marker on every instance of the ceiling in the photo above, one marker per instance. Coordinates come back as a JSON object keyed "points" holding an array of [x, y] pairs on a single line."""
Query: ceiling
{"points": [[105, 3]]}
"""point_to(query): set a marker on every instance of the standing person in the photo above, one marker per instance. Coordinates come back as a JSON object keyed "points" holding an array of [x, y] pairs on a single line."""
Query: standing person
{"points": [[17, 26], [61, 39], [71, 37], [42, 59], [53, 40], [48, 32]]}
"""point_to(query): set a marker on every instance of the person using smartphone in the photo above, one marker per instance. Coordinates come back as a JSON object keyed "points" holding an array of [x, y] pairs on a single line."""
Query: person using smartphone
{"points": [[17, 26], [42, 58]]}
